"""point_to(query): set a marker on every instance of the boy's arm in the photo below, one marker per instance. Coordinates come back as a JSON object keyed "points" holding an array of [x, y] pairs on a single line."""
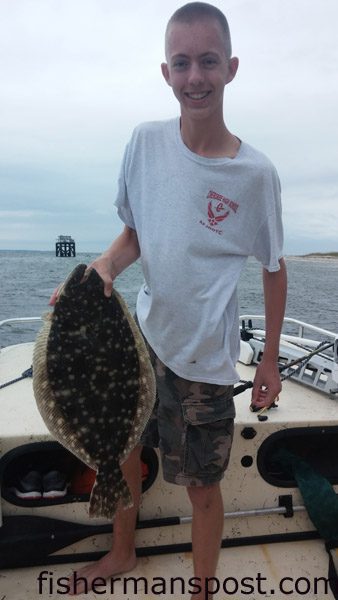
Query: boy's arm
{"points": [[267, 384], [123, 252]]}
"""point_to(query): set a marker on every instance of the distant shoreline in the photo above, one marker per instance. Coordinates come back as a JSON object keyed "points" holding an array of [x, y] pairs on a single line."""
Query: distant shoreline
{"points": [[312, 255], [323, 255]]}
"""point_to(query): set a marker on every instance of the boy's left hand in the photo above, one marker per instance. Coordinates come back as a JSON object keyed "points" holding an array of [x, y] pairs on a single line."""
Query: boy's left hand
{"points": [[53, 298], [267, 384]]}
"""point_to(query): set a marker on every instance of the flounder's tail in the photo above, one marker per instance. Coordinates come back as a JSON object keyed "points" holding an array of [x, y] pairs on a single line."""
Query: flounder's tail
{"points": [[108, 493]]}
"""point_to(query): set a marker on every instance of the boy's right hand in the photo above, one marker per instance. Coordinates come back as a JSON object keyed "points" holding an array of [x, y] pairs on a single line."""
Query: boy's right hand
{"points": [[104, 266]]}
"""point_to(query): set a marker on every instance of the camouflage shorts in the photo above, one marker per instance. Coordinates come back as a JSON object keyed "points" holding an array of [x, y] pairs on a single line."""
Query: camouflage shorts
{"points": [[192, 424]]}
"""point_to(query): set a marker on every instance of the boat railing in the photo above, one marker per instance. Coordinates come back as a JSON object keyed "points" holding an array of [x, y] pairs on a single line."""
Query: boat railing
{"points": [[301, 325], [19, 320], [17, 330]]}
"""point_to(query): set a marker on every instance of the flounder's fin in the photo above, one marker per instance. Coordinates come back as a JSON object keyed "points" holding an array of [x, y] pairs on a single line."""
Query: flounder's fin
{"points": [[106, 496]]}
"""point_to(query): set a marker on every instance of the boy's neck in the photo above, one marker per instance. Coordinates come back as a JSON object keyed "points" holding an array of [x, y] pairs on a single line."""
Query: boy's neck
{"points": [[208, 139]]}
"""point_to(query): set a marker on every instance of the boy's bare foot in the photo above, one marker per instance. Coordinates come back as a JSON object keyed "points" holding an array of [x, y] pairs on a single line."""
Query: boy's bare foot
{"points": [[82, 581]]}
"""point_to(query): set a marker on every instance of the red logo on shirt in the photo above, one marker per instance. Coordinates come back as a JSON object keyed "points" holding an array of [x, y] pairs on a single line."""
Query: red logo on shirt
{"points": [[217, 212], [219, 208]]}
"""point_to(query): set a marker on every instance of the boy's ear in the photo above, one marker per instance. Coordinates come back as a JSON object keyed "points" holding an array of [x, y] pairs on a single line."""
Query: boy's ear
{"points": [[165, 73], [232, 67]]}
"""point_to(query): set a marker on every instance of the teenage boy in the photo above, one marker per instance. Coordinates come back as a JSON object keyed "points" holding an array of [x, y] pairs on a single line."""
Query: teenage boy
{"points": [[196, 202]]}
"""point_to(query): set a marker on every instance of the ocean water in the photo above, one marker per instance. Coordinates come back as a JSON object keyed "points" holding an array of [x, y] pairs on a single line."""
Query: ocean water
{"points": [[28, 279]]}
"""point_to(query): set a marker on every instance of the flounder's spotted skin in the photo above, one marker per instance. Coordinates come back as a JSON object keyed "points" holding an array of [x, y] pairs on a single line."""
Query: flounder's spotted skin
{"points": [[93, 383]]}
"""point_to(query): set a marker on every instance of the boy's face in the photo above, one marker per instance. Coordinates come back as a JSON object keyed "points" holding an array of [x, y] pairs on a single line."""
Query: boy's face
{"points": [[197, 67]]}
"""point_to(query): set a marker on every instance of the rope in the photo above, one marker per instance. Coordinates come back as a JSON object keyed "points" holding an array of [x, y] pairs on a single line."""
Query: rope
{"points": [[25, 374]]}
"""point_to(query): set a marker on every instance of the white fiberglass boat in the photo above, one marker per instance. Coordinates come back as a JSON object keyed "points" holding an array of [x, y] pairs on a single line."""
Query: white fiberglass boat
{"points": [[271, 548]]}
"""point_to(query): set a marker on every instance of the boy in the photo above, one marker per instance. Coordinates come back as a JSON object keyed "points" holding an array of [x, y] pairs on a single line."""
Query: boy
{"points": [[196, 202]]}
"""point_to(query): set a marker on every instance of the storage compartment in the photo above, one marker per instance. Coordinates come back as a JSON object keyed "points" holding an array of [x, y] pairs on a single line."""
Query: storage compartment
{"points": [[45, 473], [318, 446]]}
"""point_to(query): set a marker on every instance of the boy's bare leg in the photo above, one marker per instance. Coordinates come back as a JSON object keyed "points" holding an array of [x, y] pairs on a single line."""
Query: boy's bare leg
{"points": [[207, 528], [121, 558]]}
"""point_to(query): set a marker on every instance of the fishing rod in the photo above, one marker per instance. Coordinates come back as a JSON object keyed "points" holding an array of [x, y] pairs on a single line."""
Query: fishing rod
{"points": [[302, 359], [239, 388], [24, 375]]}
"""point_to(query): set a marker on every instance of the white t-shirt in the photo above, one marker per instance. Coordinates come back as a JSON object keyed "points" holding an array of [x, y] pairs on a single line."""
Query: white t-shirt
{"points": [[197, 221]]}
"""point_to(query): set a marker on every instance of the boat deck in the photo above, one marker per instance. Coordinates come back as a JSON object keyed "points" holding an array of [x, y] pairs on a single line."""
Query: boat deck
{"points": [[274, 571], [247, 571]]}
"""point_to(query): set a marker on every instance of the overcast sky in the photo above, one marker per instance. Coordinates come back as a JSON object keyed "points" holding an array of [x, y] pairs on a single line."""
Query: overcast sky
{"points": [[76, 76]]}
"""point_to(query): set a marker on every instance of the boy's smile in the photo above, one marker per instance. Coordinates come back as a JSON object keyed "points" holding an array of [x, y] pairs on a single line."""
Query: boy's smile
{"points": [[198, 68], [199, 96]]}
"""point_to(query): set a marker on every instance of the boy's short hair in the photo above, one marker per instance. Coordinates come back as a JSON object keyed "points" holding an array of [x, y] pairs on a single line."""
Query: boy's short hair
{"points": [[194, 11]]}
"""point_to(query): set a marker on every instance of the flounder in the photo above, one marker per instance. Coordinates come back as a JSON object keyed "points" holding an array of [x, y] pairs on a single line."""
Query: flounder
{"points": [[93, 383]]}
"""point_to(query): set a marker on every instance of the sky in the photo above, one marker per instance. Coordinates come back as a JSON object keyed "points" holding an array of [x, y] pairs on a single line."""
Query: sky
{"points": [[78, 75]]}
